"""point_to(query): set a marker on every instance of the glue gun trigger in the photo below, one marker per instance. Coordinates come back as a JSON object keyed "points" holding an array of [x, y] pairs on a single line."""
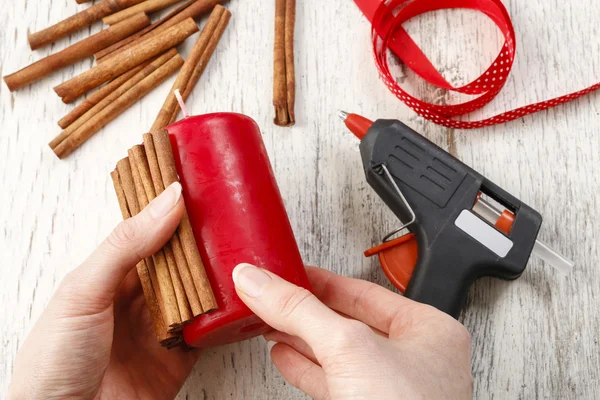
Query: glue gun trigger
{"points": [[398, 258]]}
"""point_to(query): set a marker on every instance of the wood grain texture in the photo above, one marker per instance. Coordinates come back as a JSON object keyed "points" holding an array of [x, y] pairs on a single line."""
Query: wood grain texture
{"points": [[532, 338]]}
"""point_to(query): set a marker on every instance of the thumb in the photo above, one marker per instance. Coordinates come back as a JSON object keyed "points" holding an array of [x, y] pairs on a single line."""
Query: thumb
{"points": [[288, 308], [95, 282]]}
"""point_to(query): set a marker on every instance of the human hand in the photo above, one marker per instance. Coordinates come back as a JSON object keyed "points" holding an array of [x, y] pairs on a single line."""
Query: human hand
{"points": [[356, 340], [95, 339]]}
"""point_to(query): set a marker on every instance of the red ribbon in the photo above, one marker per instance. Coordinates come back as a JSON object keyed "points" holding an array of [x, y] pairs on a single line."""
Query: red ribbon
{"points": [[387, 17]]}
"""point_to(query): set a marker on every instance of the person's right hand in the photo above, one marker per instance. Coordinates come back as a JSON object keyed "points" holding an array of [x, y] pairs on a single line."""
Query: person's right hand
{"points": [[356, 340]]}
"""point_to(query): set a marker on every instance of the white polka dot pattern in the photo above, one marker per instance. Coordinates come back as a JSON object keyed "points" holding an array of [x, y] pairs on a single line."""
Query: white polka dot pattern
{"points": [[387, 33]]}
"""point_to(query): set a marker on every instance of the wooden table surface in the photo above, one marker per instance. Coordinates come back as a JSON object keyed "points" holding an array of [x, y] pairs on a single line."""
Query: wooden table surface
{"points": [[536, 337]]}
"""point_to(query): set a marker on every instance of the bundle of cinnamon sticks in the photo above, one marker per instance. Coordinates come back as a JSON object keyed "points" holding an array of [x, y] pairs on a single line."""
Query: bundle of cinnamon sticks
{"points": [[133, 56], [174, 281]]}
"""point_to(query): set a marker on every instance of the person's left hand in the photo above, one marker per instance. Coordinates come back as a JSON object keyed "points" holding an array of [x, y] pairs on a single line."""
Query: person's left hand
{"points": [[95, 339]]}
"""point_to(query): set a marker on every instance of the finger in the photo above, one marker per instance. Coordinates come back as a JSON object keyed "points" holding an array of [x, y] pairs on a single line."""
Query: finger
{"points": [[300, 371], [287, 307], [293, 341], [96, 281], [130, 289], [365, 301]]}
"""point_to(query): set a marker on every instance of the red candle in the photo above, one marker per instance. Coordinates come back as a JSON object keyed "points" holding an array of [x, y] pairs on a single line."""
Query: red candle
{"points": [[237, 215]]}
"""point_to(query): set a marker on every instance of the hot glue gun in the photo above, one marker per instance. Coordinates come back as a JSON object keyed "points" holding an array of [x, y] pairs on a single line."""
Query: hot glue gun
{"points": [[462, 226]]}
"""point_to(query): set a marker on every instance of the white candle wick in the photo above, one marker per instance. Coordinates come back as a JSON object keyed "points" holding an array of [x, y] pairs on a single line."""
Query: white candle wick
{"points": [[181, 103]]}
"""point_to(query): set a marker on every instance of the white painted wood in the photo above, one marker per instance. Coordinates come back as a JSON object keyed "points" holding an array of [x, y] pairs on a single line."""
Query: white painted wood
{"points": [[533, 338]]}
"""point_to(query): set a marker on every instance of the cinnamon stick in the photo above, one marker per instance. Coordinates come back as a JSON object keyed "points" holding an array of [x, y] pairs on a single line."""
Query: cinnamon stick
{"points": [[180, 260], [126, 60], [204, 59], [138, 192], [107, 50], [128, 183], [185, 313], [107, 114], [109, 99], [284, 85], [151, 301], [139, 164], [77, 21], [76, 52], [279, 78], [82, 1], [131, 181], [193, 10], [147, 6], [127, 179], [98, 95], [186, 276], [290, 73], [175, 268], [168, 172], [184, 75]]}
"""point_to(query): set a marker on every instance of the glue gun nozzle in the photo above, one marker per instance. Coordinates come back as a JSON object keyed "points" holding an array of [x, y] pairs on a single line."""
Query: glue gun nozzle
{"points": [[342, 114], [355, 123]]}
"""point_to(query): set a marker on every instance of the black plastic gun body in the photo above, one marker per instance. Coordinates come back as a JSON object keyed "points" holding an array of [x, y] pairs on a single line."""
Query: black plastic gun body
{"points": [[442, 191]]}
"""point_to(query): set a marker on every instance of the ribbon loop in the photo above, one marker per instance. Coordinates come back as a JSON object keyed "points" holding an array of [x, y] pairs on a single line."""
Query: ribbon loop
{"points": [[388, 33]]}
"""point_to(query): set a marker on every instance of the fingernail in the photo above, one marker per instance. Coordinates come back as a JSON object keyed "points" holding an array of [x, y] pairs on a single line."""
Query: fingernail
{"points": [[163, 204], [250, 279]]}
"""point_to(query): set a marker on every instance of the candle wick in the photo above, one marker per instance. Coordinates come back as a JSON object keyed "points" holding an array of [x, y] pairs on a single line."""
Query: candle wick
{"points": [[181, 103]]}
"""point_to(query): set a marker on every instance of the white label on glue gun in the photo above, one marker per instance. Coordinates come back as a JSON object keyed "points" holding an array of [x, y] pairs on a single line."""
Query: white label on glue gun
{"points": [[485, 234]]}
